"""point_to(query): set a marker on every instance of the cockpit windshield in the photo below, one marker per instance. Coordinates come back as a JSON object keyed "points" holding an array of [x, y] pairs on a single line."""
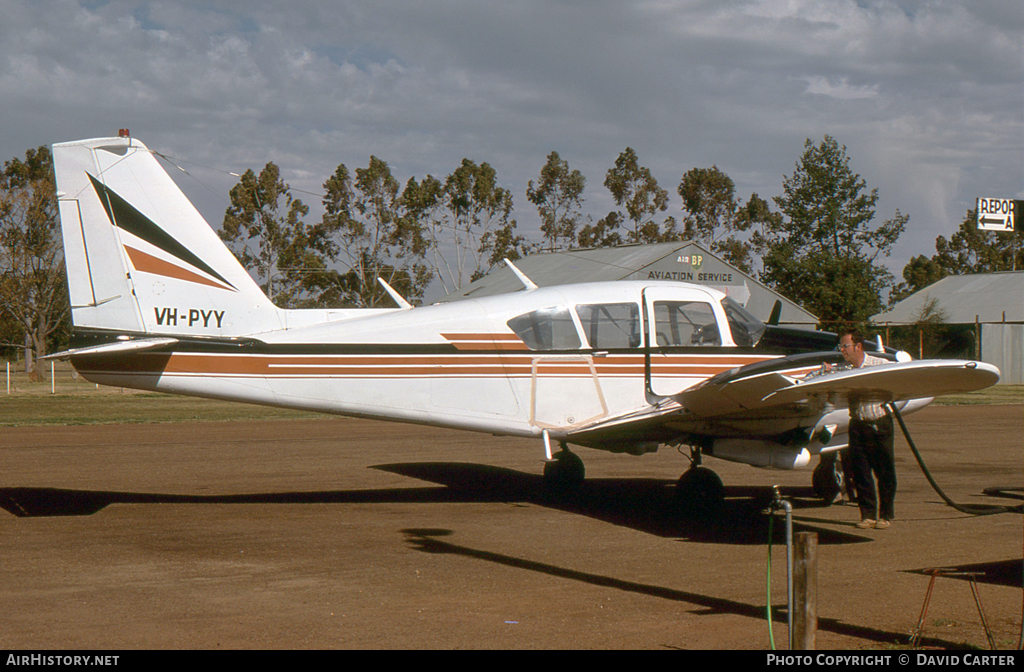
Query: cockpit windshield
{"points": [[746, 329], [546, 329]]}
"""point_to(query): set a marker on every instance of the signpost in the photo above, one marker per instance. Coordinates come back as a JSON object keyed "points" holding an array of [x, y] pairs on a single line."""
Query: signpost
{"points": [[995, 214]]}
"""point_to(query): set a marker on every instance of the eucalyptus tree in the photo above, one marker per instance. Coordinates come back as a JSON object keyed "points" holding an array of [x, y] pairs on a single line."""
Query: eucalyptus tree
{"points": [[558, 195], [372, 236], [634, 188], [466, 221], [265, 229], [968, 250], [714, 216], [33, 288], [972, 250]]}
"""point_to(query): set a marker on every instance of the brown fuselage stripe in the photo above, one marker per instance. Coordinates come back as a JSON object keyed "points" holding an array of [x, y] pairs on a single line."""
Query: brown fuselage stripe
{"points": [[485, 341], [404, 366]]}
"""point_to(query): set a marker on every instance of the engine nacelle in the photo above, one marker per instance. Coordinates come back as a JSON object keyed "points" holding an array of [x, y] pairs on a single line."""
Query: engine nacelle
{"points": [[761, 453]]}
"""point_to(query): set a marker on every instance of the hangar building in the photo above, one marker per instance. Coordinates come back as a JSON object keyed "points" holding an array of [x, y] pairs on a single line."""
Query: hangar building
{"points": [[679, 261], [993, 302]]}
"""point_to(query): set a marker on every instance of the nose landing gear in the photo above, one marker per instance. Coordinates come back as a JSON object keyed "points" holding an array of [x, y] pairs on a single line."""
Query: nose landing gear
{"points": [[564, 472]]}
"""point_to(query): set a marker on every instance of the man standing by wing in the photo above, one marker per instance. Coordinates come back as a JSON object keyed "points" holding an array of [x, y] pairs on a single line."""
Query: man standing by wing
{"points": [[871, 443]]}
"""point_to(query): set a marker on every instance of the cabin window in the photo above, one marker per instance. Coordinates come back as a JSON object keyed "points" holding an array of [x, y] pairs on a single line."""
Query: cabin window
{"points": [[610, 326], [685, 323], [547, 329], [746, 329]]}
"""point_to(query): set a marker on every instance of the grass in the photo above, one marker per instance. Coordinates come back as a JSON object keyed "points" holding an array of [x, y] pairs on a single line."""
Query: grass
{"points": [[67, 399], [101, 409], [70, 400], [997, 394]]}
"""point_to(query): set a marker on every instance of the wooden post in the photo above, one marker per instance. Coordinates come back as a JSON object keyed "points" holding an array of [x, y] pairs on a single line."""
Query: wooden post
{"points": [[805, 590], [977, 338]]}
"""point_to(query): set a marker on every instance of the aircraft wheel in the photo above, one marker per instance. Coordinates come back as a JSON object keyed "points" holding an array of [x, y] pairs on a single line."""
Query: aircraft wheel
{"points": [[700, 490], [565, 473], [827, 479]]}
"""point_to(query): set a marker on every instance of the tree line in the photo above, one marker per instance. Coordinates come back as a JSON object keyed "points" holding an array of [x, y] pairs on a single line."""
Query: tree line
{"points": [[820, 244]]}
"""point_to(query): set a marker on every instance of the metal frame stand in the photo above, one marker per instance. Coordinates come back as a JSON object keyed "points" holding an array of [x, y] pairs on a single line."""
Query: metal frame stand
{"points": [[915, 637]]}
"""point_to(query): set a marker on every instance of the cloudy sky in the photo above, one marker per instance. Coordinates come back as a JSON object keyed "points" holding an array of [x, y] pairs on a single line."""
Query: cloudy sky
{"points": [[927, 96]]}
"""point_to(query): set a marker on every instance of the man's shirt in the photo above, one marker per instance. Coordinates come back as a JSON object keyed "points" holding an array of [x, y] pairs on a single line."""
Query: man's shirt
{"points": [[864, 409]]}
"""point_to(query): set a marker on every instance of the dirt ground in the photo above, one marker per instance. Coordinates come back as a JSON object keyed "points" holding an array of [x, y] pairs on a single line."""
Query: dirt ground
{"points": [[342, 533]]}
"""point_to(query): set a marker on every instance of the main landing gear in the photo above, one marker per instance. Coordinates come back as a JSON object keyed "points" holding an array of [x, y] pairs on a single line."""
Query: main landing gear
{"points": [[827, 479], [699, 490], [564, 472]]}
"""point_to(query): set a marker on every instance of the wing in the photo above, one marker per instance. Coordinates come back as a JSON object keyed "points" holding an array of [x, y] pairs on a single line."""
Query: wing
{"points": [[751, 389], [777, 397]]}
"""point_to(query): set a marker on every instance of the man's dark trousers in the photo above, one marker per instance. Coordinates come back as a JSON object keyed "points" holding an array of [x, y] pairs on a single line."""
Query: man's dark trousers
{"points": [[871, 451]]}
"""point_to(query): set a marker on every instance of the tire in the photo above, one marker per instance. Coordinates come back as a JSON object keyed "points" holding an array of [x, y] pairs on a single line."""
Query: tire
{"points": [[700, 491], [827, 479], [565, 473]]}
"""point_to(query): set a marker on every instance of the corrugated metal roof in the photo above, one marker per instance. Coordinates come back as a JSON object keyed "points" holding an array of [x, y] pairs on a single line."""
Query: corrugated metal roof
{"points": [[569, 267], [987, 297], [626, 262]]}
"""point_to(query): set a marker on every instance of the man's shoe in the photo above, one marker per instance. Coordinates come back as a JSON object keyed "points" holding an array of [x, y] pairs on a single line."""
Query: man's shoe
{"points": [[865, 524], [882, 524]]}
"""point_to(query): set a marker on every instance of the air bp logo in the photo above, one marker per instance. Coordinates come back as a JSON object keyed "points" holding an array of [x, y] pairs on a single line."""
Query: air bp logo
{"points": [[695, 260]]}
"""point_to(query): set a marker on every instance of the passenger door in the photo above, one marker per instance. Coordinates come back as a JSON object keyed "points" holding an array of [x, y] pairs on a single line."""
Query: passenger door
{"points": [[564, 389], [684, 336]]}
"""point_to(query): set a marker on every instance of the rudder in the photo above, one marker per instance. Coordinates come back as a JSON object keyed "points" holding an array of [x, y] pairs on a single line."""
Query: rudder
{"points": [[140, 258]]}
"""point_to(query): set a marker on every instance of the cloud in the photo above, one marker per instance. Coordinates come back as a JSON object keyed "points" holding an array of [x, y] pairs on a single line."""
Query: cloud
{"points": [[926, 96], [843, 90]]}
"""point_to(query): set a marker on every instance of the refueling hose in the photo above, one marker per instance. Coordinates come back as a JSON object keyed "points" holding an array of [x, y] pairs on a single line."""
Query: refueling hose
{"points": [[979, 510]]}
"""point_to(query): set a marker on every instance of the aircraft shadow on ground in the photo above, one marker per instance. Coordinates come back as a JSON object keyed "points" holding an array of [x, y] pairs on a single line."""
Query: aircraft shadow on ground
{"points": [[645, 505], [430, 541], [998, 573]]}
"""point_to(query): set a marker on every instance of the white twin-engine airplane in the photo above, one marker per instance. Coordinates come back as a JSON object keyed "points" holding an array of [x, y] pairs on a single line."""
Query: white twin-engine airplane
{"points": [[159, 303]]}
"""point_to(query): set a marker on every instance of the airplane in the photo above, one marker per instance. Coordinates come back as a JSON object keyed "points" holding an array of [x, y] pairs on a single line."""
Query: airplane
{"points": [[160, 303]]}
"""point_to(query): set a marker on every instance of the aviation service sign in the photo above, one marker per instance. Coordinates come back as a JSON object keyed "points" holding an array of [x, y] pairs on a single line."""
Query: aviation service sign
{"points": [[995, 214]]}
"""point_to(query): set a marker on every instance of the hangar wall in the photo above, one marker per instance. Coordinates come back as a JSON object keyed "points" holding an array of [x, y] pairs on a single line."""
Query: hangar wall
{"points": [[1003, 346], [993, 301]]}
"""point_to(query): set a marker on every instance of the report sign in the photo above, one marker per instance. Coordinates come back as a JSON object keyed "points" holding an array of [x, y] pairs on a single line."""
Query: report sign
{"points": [[995, 214]]}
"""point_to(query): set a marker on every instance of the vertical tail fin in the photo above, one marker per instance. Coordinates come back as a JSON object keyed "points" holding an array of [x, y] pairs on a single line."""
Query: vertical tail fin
{"points": [[140, 258]]}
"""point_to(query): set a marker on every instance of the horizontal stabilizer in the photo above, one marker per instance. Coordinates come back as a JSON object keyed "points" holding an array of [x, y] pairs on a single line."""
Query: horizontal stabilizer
{"points": [[118, 347]]}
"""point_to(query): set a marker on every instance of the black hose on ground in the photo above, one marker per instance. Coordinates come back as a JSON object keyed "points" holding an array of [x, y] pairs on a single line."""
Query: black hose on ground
{"points": [[974, 510], [980, 510]]}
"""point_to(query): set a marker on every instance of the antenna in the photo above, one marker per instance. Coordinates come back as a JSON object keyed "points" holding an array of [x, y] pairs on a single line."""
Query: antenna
{"points": [[527, 283], [402, 303]]}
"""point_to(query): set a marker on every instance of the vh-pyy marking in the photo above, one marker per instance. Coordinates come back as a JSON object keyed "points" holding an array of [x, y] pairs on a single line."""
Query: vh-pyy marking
{"points": [[170, 316]]}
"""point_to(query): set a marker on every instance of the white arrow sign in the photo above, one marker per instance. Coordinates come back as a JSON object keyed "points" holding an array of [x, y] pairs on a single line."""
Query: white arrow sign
{"points": [[995, 214]]}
